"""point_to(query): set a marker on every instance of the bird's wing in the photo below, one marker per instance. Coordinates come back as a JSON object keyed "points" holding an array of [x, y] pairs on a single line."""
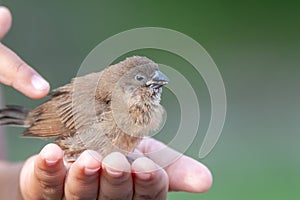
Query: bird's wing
{"points": [[71, 107]]}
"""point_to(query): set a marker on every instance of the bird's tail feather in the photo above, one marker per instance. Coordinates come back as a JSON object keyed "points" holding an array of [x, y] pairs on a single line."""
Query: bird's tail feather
{"points": [[14, 116]]}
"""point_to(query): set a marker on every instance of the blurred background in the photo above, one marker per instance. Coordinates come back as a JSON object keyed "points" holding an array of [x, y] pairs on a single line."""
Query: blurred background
{"points": [[255, 44]]}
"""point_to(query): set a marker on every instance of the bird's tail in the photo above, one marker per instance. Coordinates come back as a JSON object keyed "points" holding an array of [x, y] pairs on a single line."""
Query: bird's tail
{"points": [[14, 116]]}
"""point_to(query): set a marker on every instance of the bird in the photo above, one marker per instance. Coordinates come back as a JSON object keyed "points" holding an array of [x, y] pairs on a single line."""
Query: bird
{"points": [[107, 111]]}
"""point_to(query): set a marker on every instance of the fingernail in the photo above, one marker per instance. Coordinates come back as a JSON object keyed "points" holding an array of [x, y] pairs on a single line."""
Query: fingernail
{"points": [[90, 172], [48, 155], [51, 162], [91, 162], [113, 172], [143, 176], [3, 9], [39, 83]]}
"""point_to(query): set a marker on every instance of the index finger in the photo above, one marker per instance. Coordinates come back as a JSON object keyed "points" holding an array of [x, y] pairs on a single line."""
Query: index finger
{"points": [[13, 70], [16, 73]]}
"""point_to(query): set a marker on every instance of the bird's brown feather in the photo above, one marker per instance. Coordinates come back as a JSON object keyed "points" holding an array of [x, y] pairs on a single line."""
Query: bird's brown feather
{"points": [[80, 115]]}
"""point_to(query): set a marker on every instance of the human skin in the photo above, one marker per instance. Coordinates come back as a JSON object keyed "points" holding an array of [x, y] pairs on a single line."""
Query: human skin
{"points": [[44, 176]]}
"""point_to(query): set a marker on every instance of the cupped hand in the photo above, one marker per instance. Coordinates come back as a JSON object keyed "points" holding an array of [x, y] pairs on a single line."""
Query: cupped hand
{"points": [[115, 178], [44, 176]]}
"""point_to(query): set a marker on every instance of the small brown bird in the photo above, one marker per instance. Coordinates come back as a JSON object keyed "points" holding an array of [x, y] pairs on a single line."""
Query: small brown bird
{"points": [[106, 111]]}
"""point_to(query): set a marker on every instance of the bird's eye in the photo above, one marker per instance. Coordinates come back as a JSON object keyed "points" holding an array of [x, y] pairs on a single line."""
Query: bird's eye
{"points": [[139, 77]]}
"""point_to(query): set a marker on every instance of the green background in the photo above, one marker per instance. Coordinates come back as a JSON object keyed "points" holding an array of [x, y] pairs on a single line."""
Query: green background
{"points": [[255, 45]]}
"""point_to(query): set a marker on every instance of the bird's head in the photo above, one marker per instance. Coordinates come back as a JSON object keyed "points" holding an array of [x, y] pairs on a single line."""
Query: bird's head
{"points": [[144, 83], [136, 96]]}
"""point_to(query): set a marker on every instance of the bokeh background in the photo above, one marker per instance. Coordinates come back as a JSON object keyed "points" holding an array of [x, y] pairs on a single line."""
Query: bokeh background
{"points": [[255, 44]]}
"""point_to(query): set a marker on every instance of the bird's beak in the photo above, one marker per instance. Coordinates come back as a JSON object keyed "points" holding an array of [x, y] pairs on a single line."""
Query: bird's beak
{"points": [[158, 80]]}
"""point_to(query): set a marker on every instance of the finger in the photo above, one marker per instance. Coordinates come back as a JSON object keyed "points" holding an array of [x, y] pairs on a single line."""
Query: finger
{"points": [[5, 21], [150, 181], [115, 180], [13, 70], [83, 177], [185, 173], [42, 176], [16, 73]]}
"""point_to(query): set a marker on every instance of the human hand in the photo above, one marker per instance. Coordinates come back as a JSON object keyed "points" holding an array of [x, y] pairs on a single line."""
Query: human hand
{"points": [[13, 70]]}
